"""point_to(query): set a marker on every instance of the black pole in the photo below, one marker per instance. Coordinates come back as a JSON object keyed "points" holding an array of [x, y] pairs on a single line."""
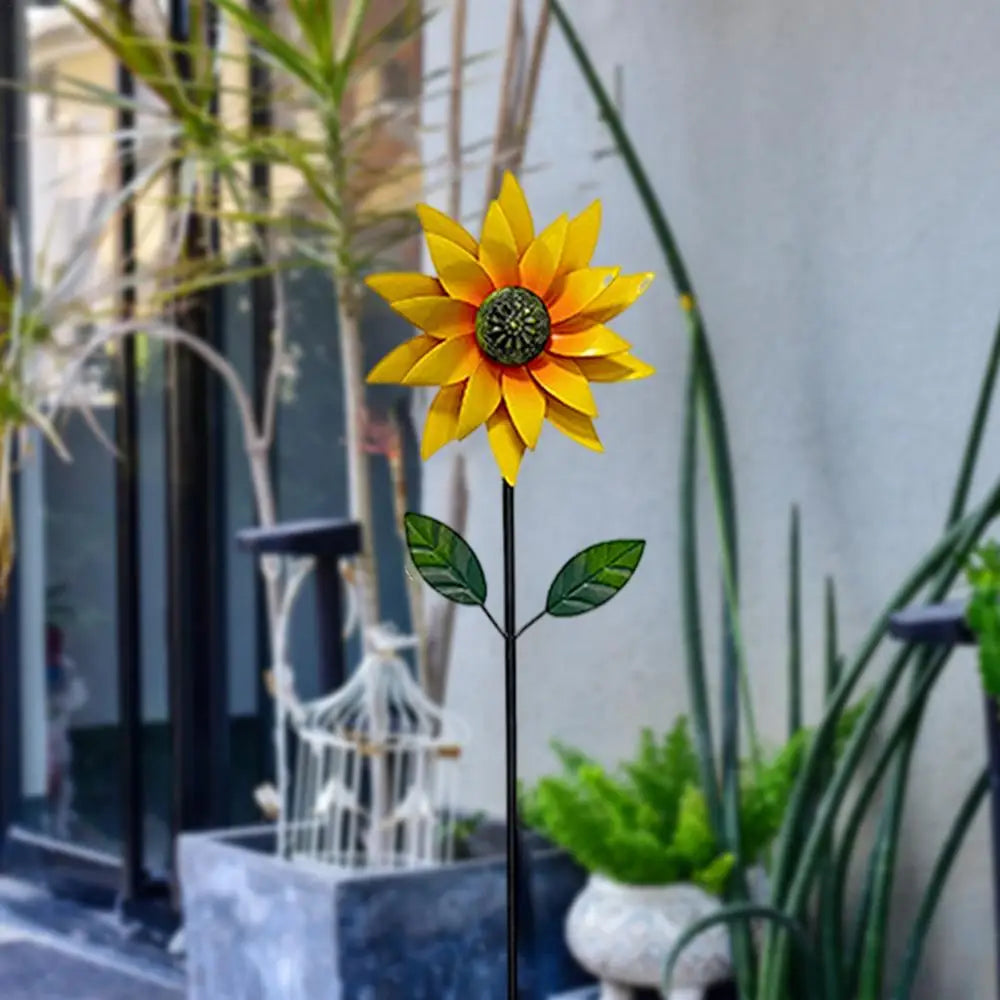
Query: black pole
{"points": [[329, 606], [510, 687], [993, 750], [520, 905], [196, 649], [13, 46], [128, 579]]}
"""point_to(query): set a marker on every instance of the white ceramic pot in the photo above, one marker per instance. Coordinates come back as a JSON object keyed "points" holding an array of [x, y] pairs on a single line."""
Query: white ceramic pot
{"points": [[623, 934]]}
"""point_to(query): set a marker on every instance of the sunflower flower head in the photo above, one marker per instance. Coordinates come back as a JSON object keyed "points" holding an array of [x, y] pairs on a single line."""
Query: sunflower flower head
{"points": [[512, 328]]}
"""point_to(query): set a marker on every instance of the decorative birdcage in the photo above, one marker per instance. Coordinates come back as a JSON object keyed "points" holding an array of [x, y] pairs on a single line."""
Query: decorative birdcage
{"points": [[377, 767]]}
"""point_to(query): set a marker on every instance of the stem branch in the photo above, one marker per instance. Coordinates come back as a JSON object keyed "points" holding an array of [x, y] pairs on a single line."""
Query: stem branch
{"points": [[524, 628], [494, 622]]}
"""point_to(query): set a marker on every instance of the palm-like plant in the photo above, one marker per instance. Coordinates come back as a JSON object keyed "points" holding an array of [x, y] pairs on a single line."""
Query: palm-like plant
{"points": [[340, 195], [41, 311], [193, 127], [326, 145]]}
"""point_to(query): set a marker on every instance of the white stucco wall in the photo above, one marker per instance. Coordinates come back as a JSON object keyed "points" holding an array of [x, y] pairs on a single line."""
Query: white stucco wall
{"points": [[831, 171]]}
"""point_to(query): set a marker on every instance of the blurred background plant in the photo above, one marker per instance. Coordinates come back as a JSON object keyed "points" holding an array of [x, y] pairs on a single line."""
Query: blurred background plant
{"points": [[983, 612], [822, 939], [342, 188], [258, 139], [43, 321]]}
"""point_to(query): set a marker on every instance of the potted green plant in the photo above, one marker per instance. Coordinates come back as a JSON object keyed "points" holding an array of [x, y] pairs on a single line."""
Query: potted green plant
{"points": [[644, 835]]}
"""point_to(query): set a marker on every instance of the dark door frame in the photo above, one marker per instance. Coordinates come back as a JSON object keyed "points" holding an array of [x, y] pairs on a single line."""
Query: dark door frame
{"points": [[194, 582], [196, 643], [12, 174]]}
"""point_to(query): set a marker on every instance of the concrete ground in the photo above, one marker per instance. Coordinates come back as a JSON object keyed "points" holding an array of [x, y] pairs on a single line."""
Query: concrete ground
{"points": [[48, 952]]}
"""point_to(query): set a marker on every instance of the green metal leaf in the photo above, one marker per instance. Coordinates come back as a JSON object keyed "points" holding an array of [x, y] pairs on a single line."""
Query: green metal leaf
{"points": [[445, 560], [593, 576]]}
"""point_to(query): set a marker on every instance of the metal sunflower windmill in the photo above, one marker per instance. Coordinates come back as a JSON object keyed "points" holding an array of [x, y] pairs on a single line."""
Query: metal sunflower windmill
{"points": [[512, 332]]}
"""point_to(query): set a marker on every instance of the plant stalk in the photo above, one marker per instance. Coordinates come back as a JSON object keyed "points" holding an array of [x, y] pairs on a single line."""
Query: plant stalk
{"points": [[510, 692], [358, 475]]}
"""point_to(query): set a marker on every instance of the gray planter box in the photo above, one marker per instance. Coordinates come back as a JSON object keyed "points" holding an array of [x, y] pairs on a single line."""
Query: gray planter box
{"points": [[261, 928]]}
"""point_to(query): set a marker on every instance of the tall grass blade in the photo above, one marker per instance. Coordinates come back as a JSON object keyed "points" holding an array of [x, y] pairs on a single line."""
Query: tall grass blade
{"points": [[701, 713], [939, 876], [795, 863], [794, 625], [744, 913], [974, 438], [907, 720], [737, 889], [830, 913], [871, 974], [832, 659]]}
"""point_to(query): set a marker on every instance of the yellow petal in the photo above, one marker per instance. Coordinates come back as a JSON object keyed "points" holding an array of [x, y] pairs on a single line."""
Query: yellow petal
{"points": [[597, 342], [619, 368], [449, 361], [574, 425], [461, 274], [506, 443], [436, 223], [441, 425], [482, 397], [541, 260], [440, 316], [395, 365], [616, 298], [576, 290], [581, 239], [525, 403], [516, 211], [395, 285], [563, 379], [497, 249]]}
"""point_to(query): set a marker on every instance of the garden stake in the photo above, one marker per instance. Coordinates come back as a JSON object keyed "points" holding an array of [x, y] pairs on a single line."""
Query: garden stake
{"points": [[512, 333], [515, 893]]}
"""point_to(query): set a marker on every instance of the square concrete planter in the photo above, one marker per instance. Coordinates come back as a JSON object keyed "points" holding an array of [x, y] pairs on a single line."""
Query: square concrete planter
{"points": [[261, 928]]}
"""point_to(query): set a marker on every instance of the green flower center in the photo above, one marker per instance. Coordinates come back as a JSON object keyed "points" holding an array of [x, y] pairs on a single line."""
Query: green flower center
{"points": [[512, 326]]}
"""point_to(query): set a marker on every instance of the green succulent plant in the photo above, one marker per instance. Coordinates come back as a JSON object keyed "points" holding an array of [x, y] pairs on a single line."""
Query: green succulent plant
{"points": [[983, 612], [647, 822]]}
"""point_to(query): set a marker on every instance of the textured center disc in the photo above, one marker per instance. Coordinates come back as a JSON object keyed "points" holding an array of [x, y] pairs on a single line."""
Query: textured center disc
{"points": [[512, 326]]}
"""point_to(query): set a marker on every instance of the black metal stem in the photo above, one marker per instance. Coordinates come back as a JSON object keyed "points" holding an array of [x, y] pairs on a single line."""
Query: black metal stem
{"points": [[993, 751], [524, 628], [196, 655], [520, 904], [510, 688], [13, 199]]}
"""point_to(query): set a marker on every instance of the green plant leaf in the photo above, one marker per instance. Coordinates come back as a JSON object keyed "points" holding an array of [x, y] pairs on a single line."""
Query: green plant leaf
{"points": [[714, 876], [445, 560], [592, 577], [983, 612], [693, 836]]}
